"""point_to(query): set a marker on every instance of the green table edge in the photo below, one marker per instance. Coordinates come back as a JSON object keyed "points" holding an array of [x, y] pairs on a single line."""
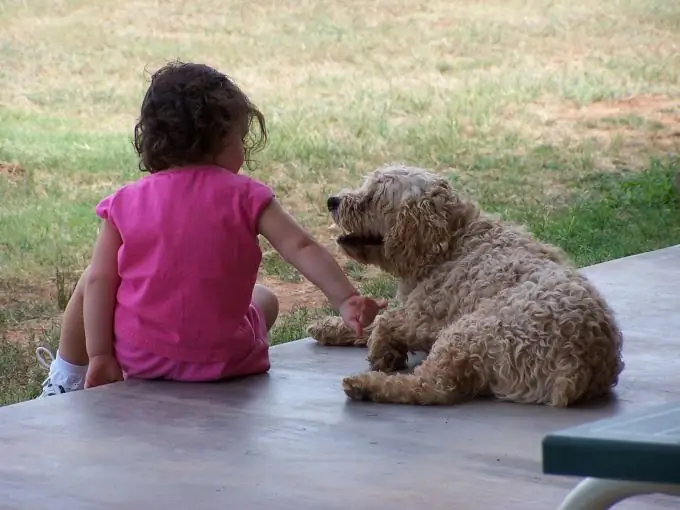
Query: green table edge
{"points": [[581, 451]]}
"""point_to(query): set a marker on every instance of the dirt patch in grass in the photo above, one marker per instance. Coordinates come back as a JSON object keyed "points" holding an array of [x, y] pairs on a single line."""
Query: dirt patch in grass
{"points": [[32, 330], [295, 295], [19, 298], [303, 294], [13, 172], [629, 130], [650, 106], [28, 310]]}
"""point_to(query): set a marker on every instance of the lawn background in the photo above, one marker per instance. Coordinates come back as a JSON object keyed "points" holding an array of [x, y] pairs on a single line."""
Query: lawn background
{"points": [[564, 115]]}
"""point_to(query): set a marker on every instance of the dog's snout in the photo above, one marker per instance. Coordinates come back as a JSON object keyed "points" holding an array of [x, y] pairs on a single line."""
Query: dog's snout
{"points": [[333, 203]]}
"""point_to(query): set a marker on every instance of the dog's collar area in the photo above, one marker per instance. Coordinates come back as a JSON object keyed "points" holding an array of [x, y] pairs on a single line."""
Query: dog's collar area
{"points": [[357, 240]]}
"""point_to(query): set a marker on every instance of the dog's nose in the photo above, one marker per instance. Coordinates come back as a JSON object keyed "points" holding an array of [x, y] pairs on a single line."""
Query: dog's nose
{"points": [[333, 203]]}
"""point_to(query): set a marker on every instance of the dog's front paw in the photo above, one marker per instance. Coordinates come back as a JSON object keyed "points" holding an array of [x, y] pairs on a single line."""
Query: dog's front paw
{"points": [[333, 331], [355, 388], [388, 361], [317, 331]]}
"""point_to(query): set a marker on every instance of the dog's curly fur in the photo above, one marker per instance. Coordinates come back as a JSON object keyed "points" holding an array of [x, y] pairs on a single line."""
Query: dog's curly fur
{"points": [[498, 312]]}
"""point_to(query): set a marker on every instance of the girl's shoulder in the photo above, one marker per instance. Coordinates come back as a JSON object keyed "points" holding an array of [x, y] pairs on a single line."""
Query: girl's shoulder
{"points": [[173, 182], [210, 175], [242, 184], [241, 179]]}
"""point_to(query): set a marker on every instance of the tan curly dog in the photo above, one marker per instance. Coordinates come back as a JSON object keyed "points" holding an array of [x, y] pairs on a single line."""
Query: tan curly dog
{"points": [[499, 313]]}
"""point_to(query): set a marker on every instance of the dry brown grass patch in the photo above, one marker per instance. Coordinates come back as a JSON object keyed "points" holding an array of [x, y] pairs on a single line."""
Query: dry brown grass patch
{"points": [[13, 172], [626, 131]]}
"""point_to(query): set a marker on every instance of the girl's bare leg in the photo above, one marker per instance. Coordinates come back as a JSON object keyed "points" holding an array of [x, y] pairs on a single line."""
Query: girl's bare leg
{"points": [[268, 303], [67, 370]]}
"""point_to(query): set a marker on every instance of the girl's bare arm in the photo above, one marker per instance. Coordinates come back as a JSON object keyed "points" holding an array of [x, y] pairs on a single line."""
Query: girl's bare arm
{"points": [[101, 286], [302, 251]]}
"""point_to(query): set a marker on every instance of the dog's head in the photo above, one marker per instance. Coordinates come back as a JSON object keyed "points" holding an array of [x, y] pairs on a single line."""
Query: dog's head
{"points": [[401, 219]]}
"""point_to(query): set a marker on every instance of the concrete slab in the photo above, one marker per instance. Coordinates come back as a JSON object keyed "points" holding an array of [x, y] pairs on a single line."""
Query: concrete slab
{"points": [[291, 440]]}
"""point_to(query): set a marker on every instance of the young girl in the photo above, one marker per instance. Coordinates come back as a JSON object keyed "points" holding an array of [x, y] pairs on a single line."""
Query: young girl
{"points": [[170, 292]]}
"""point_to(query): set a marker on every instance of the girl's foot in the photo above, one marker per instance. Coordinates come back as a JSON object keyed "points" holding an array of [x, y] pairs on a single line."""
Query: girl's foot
{"points": [[63, 377]]}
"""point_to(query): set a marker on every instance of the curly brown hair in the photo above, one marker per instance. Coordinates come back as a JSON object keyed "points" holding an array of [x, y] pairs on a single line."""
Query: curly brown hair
{"points": [[188, 111]]}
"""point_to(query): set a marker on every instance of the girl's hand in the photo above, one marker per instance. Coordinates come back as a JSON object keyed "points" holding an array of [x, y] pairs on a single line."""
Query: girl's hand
{"points": [[359, 311], [103, 369]]}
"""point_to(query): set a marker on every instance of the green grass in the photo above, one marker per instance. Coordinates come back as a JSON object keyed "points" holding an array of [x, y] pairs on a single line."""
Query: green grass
{"points": [[558, 113], [616, 215]]}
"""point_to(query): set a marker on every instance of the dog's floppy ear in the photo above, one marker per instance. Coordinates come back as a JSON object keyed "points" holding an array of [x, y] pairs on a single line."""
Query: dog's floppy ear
{"points": [[421, 232]]}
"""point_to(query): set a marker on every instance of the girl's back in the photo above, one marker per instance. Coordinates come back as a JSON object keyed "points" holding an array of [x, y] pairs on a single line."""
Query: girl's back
{"points": [[188, 261]]}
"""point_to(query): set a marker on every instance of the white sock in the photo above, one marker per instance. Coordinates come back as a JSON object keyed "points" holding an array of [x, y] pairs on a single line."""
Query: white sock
{"points": [[67, 371]]}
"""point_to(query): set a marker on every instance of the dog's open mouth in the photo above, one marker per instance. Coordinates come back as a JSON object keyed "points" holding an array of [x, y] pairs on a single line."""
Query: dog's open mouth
{"points": [[359, 240]]}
